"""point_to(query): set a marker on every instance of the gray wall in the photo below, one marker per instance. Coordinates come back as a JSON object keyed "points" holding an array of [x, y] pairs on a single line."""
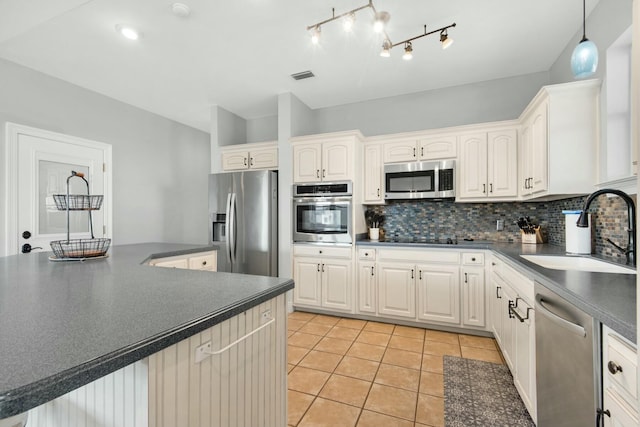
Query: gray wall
{"points": [[160, 167], [479, 102], [605, 24], [262, 129]]}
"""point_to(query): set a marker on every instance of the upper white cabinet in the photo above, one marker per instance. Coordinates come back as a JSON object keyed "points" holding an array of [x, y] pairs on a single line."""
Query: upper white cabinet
{"points": [[327, 157], [559, 136], [488, 165], [420, 147], [250, 156], [372, 174]]}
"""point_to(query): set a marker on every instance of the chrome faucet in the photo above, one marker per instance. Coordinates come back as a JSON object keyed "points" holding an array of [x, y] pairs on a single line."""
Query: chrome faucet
{"points": [[630, 250]]}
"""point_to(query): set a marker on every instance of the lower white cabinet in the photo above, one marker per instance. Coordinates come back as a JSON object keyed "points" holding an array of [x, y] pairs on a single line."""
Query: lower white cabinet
{"points": [[323, 277], [439, 293], [197, 261], [620, 380], [367, 287], [473, 293], [512, 321], [440, 287], [397, 289]]}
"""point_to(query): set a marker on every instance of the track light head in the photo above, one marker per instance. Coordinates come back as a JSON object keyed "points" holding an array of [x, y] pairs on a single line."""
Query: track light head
{"points": [[408, 52], [445, 39], [348, 22], [380, 21], [315, 35], [386, 48]]}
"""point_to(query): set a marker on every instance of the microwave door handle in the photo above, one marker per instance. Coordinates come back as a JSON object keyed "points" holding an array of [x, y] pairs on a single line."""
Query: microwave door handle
{"points": [[227, 226]]}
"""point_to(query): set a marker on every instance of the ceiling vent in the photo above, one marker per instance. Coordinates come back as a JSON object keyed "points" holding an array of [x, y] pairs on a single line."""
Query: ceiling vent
{"points": [[302, 75]]}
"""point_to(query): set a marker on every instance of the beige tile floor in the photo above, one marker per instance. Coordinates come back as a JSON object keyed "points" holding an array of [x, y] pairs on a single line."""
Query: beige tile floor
{"points": [[347, 372]]}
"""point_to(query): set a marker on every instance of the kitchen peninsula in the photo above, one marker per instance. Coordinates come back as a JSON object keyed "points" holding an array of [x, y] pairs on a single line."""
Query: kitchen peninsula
{"points": [[65, 325]]}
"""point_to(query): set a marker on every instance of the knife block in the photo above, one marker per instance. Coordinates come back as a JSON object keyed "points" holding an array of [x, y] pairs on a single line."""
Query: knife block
{"points": [[533, 238]]}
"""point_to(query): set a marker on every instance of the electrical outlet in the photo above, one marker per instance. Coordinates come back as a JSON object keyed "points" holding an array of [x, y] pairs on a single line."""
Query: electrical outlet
{"points": [[202, 352], [500, 225]]}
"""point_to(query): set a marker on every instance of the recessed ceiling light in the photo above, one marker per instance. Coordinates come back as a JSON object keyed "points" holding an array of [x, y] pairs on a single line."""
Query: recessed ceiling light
{"points": [[128, 31], [181, 10]]}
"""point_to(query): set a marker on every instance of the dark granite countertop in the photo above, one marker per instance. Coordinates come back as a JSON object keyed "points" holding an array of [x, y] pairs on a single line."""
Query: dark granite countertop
{"points": [[610, 298], [65, 324]]}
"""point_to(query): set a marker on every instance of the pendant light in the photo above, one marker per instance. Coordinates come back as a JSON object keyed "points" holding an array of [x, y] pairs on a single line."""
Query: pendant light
{"points": [[584, 60]]}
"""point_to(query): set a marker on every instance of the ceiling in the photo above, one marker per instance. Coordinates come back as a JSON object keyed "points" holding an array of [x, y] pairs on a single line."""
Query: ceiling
{"points": [[240, 54]]}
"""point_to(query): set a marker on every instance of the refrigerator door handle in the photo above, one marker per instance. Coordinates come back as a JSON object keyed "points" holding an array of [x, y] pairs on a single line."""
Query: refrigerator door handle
{"points": [[232, 230], [227, 227]]}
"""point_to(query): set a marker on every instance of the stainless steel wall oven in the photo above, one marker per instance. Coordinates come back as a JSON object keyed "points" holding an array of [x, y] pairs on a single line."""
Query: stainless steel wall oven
{"points": [[322, 212]]}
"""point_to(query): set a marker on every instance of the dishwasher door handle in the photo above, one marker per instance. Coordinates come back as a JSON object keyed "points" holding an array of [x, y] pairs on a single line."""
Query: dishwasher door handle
{"points": [[560, 321]]}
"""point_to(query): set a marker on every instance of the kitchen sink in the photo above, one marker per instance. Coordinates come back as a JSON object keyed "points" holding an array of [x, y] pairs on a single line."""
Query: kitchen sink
{"points": [[559, 262]]}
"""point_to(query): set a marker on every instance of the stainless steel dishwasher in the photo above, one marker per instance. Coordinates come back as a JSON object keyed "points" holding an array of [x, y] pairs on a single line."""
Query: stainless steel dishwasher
{"points": [[567, 363]]}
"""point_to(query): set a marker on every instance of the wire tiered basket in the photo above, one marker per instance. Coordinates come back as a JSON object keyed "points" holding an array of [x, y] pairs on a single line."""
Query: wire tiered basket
{"points": [[78, 249]]}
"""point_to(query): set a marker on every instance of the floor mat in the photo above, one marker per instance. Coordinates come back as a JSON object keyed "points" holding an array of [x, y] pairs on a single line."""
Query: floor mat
{"points": [[481, 394]]}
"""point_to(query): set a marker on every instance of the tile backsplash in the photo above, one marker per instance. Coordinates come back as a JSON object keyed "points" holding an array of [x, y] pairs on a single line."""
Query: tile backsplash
{"points": [[444, 219]]}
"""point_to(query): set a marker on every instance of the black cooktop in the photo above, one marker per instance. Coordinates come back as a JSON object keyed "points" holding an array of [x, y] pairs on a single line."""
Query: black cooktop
{"points": [[422, 240]]}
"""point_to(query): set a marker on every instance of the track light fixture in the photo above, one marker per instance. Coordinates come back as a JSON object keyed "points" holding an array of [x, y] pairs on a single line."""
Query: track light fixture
{"points": [[408, 52], [379, 24], [445, 39]]}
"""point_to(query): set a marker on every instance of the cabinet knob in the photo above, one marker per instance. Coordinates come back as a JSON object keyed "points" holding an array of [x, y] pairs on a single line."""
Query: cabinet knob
{"points": [[613, 367], [204, 262], [473, 259], [366, 254], [320, 251]]}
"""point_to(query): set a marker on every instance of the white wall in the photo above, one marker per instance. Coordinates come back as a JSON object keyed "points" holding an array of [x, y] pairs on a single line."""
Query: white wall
{"points": [[262, 129], [159, 166]]}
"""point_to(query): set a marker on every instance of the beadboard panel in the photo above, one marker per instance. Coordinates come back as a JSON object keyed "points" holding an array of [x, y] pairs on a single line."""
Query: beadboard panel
{"points": [[117, 399], [243, 386]]}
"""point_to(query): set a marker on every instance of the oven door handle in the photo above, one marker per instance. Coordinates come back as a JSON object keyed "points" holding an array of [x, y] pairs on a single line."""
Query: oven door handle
{"points": [[560, 321]]}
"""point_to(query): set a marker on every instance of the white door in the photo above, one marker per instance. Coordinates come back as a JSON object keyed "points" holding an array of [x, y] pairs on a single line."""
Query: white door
{"points": [[336, 284], [439, 293], [42, 162], [397, 290]]}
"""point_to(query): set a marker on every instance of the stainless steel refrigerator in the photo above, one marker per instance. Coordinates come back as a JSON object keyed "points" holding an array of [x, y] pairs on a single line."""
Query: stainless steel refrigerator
{"points": [[243, 221]]}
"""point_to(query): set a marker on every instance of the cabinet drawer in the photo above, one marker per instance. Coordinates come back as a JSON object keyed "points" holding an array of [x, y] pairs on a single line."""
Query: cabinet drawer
{"points": [[325, 251], [423, 256], [621, 356], [203, 262], [473, 258], [367, 253], [170, 262]]}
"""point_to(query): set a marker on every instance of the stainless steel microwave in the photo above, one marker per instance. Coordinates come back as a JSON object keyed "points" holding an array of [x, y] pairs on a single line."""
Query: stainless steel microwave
{"points": [[420, 180]]}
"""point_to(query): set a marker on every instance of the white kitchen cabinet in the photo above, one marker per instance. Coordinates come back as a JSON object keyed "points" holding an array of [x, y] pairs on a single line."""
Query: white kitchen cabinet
{"points": [[515, 323], [495, 297], [620, 380], [367, 287], [473, 296], [420, 147], [336, 284], [306, 275], [206, 261], [323, 277], [439, 293], [372, 174], [559, 139], [326, 157], [397, 289], [489, 165], [524, 357], [250, 156]]}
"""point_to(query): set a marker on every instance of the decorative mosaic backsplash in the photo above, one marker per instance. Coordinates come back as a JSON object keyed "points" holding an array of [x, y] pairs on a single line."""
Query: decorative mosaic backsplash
{"points": [[444, 219]]}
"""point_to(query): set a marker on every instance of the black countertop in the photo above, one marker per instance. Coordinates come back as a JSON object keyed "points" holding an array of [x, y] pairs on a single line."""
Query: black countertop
{"points": [[610, 298], [65, 324]]}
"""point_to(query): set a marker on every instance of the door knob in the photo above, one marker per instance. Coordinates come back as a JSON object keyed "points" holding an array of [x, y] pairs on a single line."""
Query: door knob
{"points": [[26, 248], [614, 368]]}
